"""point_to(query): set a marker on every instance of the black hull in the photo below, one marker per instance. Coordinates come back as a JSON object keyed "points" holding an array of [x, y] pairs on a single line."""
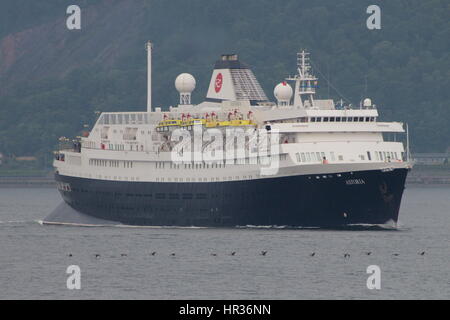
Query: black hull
{"points": [[363, 197]]}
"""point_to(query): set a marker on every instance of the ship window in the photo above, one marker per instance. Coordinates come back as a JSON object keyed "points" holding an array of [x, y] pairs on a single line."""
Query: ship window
{"points": [[355, 119], [344, 119], [323, 154], [338, 119], [130, 134], [332, 119], [318, 156], [160, 196], [104, 133], [367, 119], [376, 156], [319, 119], [313, 119], [341, 157], [303, 157], [361, 119], [308, 156], [368, 156], [187, 196], [349, 119], [298, 157], [325, 119], [381, 155], [313, 156], [332, 156]]}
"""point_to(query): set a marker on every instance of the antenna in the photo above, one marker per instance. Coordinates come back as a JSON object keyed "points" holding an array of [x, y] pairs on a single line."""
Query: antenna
{"points": [[305, 82], [149, 48], [408, 157]]}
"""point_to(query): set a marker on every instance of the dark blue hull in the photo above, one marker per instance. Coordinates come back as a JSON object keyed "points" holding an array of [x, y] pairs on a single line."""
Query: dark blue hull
{"points": [[363, 197]]}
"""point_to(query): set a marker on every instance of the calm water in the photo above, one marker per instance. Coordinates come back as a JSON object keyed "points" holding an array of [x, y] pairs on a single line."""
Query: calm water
{"points": [[34, 258]]}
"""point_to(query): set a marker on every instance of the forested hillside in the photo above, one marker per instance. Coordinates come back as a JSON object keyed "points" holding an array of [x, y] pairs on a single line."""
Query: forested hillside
{"points": [[52, 79]]}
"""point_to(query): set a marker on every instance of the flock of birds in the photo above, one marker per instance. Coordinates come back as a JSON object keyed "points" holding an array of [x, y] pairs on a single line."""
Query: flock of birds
{"points": [[262, 253]]}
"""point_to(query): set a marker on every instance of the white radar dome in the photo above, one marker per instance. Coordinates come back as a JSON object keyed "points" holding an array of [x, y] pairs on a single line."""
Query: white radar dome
{"points": [[185, 82], [283, 91], [367, 102]]}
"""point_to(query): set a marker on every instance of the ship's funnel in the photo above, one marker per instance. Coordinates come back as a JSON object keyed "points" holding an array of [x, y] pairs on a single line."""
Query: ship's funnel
{"points": [[232, 80]]}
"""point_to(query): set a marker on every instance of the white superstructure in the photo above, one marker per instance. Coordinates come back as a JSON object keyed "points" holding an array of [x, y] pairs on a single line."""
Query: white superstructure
{"points": [[313, 136]]}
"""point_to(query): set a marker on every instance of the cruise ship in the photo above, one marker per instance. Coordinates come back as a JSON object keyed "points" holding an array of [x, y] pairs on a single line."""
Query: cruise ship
{"points": [[238, 159]]}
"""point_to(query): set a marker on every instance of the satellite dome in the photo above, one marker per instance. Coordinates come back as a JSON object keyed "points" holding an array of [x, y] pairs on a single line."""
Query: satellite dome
{"points": [[185, 82], [367, 102], [283, 91]]}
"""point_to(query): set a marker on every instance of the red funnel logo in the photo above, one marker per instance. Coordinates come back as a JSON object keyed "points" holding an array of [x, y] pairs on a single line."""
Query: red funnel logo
{"points": [[218, 83]]}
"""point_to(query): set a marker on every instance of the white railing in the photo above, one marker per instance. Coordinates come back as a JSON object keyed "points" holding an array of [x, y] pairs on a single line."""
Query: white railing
{"points": [[124, 118]]}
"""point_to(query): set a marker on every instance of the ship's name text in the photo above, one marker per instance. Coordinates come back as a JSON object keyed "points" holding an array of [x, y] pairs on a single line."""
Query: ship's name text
{"points": [[354, 181]]}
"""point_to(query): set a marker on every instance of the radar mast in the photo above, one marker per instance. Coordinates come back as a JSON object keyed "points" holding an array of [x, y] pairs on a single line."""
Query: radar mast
{"points": [[305, 82]]}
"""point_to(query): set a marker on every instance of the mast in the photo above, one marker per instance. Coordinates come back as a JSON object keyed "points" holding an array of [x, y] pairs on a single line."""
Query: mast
{"points": [[305, 82], [149, 47], [408, 157]]}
